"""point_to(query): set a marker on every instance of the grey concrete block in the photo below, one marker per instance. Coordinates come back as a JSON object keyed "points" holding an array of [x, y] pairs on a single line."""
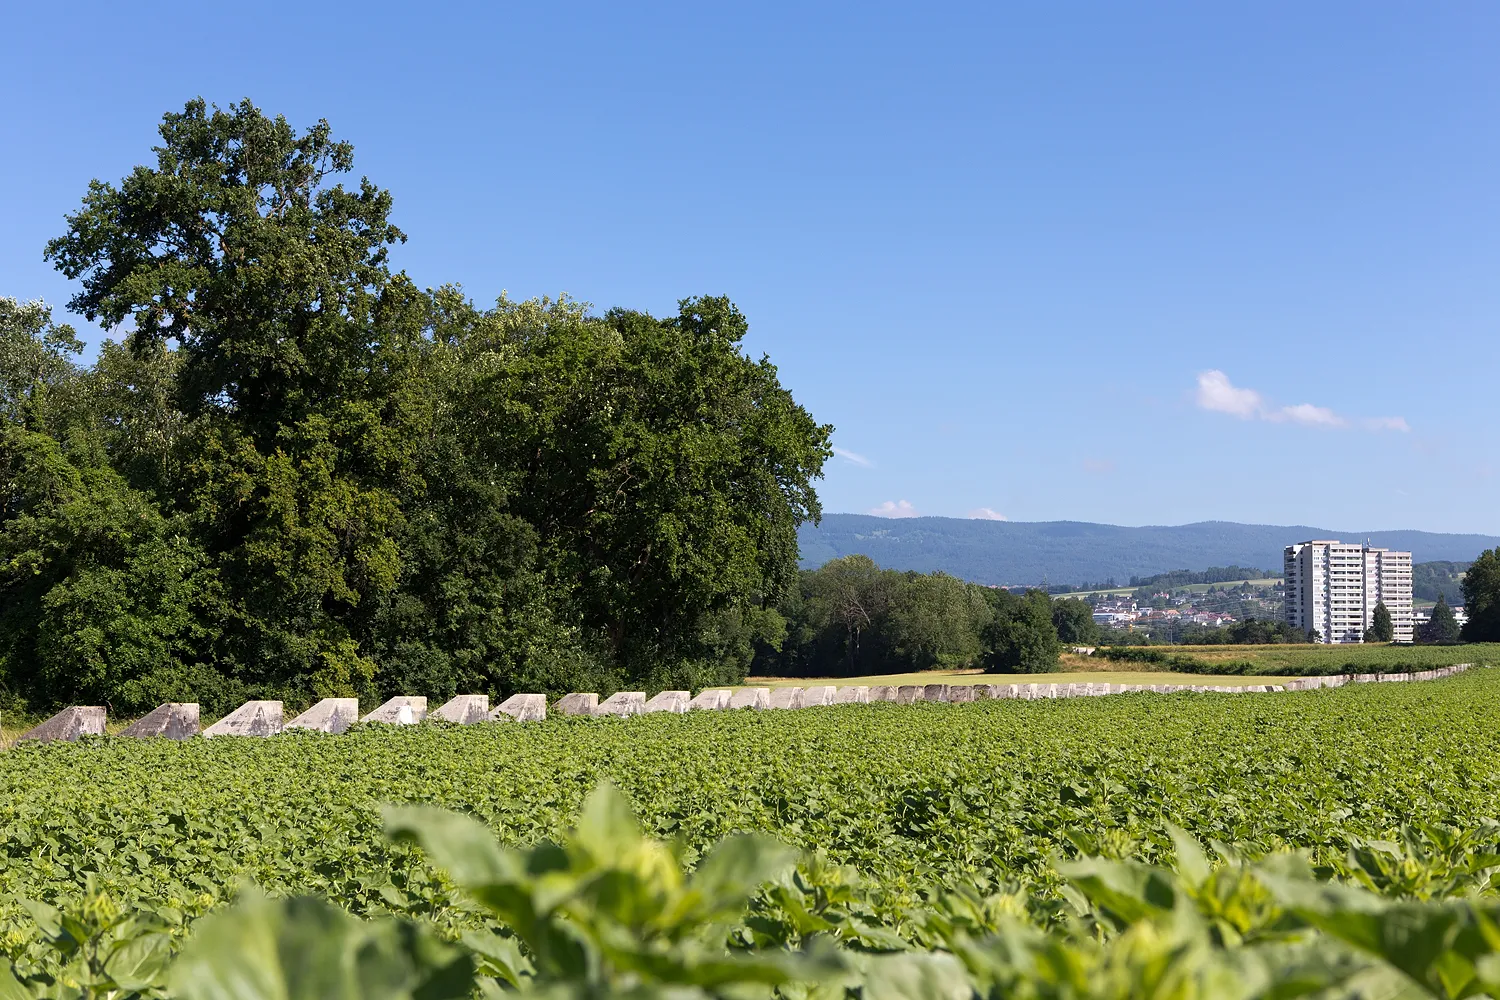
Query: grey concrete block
{"points": [[852, 695], [623, 704], [818, 695], [712, 700], [675, 702], [253, 718], [788, 697], [71, 723], [1069, 690], [331, 715], [908, 694], [882, 692], [1005, 690], [934, 692], [176, 720], [521, 708], [402, 710], [1051, 691], [586, 703], [962, 694], [464, 709], [757, 698]]}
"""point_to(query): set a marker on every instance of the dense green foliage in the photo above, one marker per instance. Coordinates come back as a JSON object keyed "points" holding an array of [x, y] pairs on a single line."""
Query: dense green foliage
{"points": [[302, 476], [1482, 598], [935, 840], [1381, 629], [849, 617], [1431, 580], [1441, 626], [1022, 553]]}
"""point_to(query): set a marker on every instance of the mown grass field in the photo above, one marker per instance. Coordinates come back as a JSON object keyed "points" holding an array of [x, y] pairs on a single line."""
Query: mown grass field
{"points": [[1294, 660], [1076, 668]]}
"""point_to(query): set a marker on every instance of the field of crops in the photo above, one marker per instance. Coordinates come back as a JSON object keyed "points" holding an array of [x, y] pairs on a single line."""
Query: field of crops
{"points": [[996, 848]]}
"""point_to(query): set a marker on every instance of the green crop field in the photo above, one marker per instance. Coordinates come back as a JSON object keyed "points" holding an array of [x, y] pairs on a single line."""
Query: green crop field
{"points": [[945, 850]]}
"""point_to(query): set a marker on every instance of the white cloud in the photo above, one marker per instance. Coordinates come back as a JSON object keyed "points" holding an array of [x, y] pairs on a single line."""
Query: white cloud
{"points": [[895, 508], [985, 514], [1312, 416], [1219, 395], [853, 458]]}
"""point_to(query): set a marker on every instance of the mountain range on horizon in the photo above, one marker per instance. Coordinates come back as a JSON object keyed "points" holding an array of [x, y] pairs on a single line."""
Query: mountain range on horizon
{"points": [[1015, 553]]}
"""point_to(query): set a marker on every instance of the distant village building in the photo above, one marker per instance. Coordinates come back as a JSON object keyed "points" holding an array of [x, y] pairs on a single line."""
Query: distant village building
{"points": [[1332, 589]]}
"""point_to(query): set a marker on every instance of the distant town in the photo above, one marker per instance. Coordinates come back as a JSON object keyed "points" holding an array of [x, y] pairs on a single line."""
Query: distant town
{"points": [[1327, 589]]}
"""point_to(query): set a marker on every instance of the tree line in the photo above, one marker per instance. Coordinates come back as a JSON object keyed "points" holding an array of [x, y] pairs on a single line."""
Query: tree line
{"points": [[849, 617], [297, 474]]}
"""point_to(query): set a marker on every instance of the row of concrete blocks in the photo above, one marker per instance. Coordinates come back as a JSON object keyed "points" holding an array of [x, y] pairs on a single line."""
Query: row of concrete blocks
{"points": [[179, 720], [634, 703]]}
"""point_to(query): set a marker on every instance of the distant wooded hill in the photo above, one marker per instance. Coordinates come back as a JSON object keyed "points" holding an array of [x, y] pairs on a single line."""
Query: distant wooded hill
{"points": [[1028, 552]]}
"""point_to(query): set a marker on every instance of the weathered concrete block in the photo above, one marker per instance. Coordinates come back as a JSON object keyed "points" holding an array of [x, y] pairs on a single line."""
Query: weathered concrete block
{"points": [[712, 700], [788, 697], [1030, 692], [934, 692], [908, 694], [623, 704], [756, 698], [464, 709], [1051, 691], [675, 702], [586, 703], [402, 710], [331, 715], [818, 695], [71, 723], [962, 694], [883, 692], [253, 718], [176, 720], [521, 708], [852, 695], [1006, 690], [1069, 690]]}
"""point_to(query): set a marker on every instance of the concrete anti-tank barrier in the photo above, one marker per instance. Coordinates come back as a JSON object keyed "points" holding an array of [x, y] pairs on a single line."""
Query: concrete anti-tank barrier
{"points": [[72, 723], [712, 700], [521, 708], [402, 710], [583, 703], [253, 718], [756, 698], [788, 697], [331, 715], [176, 720], [852, 695], [622, 704], [818, 695], [464, 709], [675, 702]]}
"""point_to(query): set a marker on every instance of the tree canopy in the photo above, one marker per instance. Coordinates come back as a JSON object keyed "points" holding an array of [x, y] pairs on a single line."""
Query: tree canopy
{"points": [[1482, 598], [300, 475]]}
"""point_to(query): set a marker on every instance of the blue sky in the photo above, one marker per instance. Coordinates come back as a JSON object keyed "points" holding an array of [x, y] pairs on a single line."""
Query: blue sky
{"points": [[1139, 263]]}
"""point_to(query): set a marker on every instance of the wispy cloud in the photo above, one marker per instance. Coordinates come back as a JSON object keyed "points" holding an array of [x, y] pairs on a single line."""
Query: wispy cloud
{"points": [[1219, 395], [985, 514], [895, 508], [853, 458]]}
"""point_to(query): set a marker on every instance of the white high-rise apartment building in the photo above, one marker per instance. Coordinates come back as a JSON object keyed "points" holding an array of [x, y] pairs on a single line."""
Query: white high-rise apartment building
{"points": [[1332, 589]]}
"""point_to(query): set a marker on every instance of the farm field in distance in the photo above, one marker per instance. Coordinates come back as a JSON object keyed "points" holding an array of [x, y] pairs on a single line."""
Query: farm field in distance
{"points": [[1095, 671], [902, 812]]}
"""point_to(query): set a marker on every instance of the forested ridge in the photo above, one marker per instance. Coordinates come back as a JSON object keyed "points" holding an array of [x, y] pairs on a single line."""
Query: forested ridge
{"points": [[296, 474]]}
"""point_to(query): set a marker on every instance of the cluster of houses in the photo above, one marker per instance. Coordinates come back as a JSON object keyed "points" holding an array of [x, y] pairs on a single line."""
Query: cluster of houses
{"points": [[1126, 613]]}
